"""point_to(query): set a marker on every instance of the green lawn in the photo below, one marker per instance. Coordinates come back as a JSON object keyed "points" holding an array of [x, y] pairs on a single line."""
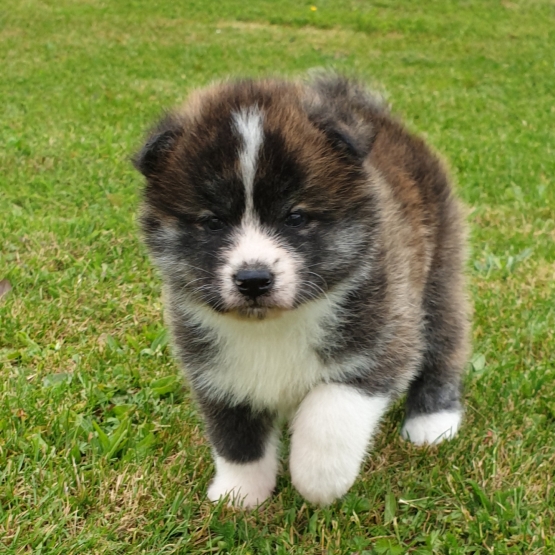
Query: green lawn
{"points": [[101, 449]]}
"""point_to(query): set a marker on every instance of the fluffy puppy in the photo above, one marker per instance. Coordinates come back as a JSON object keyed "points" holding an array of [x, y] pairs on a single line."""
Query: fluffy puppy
{"points": [[312, 256]]}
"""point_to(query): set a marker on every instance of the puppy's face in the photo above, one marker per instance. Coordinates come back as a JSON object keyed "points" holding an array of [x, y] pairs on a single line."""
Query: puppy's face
{"points": [[256, 199]]}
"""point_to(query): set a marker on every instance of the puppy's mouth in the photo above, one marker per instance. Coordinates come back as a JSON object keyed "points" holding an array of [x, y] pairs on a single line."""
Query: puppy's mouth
{"points": [[257, 313], [260, 308], [256, 310]]}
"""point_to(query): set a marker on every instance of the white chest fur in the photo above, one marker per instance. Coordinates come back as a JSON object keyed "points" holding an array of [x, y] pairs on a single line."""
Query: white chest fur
{"points": [[270, 363]]}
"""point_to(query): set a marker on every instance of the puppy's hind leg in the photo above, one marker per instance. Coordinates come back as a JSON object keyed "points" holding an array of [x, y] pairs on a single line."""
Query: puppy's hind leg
{"points": [[245, 444], [330, 435], [433, 407]]}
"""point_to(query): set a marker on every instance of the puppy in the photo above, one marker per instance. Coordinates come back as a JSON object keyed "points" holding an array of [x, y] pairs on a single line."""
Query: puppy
{"points": [[312, 255]]}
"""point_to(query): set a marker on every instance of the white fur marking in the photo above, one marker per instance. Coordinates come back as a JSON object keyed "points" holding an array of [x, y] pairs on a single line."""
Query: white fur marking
{"points": [[248, 124], [248, 485], [432, 428], [253, 246], [272, 363], [330, 435]]}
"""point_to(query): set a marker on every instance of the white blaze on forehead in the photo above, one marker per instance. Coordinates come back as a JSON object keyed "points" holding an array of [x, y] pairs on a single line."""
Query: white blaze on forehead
{"points": [[248, 125]]}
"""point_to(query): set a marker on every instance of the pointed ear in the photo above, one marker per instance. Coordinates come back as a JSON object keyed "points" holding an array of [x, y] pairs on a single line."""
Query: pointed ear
{"points": [[160, 144], [353, 141], [344, 110]]}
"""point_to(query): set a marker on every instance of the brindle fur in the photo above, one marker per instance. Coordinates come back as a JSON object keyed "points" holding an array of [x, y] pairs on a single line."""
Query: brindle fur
{"points": [[385, 230]]}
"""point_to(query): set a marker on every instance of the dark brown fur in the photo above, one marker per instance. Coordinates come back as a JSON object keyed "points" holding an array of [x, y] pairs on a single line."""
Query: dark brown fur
{"points": [[384, 233]]}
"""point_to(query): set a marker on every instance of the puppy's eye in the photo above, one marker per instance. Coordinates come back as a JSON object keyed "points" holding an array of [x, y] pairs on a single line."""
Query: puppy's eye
{"points": [[295, 219], [213, 224]]}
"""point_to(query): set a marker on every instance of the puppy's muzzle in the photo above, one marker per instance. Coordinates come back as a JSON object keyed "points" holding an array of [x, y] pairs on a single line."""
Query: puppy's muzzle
{"points": [[253, 283]]}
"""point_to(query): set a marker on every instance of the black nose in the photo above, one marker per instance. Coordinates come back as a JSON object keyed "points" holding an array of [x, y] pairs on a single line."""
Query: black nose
{"points": [[253, 283]]}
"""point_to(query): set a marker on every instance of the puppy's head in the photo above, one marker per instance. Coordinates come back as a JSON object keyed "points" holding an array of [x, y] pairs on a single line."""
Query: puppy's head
{"points": [[256, 197]]}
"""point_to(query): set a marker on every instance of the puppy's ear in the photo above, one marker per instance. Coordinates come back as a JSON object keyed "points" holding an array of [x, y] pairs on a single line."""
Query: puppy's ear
{"points": [[353, 141], [344, 110], [150, 160]]}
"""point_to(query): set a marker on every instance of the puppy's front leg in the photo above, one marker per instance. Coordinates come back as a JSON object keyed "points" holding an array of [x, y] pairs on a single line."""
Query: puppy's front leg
{"points": [[330, 435], [245, 447]]}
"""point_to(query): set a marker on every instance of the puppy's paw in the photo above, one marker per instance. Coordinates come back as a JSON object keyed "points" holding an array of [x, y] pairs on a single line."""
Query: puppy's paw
{"points": [[322, 476], [248, 485], [243, 491], [330, 434], [431, 428]]}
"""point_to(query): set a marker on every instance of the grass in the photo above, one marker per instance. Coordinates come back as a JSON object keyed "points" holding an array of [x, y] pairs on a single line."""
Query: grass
{"points": [[101, 448]]}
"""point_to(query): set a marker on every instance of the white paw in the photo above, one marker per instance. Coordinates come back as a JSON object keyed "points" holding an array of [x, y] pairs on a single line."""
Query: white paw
{"points": [[330, 434], [432, 428], [247, 485], [322, 481]]}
